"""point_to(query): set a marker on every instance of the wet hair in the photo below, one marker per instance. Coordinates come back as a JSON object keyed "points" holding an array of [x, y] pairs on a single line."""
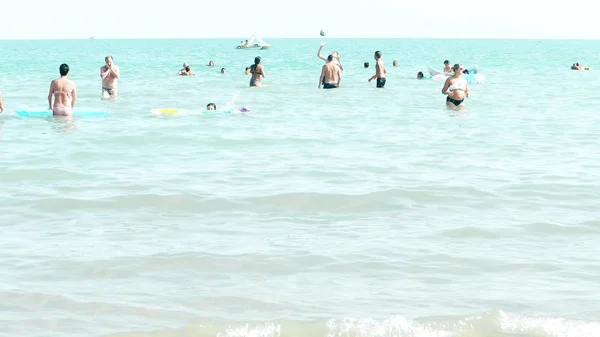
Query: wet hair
{"points": [[222, 69], [446, 62], [366, 64], [63, 69], [420, 74], [465, 71], [211, 104], [257, 60], [187, 68], [455, 66], [395, 62], [330, 58], [378, 54]]}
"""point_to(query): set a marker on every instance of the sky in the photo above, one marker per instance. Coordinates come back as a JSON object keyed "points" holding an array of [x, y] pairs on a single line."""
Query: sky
{"points": [[80, 19]]}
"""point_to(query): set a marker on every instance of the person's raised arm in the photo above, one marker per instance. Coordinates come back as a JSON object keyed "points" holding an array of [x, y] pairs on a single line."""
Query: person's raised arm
{"points": [[115, 71], [319, 52], [104, 71]]}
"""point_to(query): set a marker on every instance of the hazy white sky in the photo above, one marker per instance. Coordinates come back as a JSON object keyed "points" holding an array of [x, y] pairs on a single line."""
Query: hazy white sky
{"points": [[41, 19]]}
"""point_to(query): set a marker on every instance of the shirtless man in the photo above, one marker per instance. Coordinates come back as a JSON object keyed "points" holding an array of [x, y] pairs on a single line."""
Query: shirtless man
{"points": [[380, 71], [109, 74], [331, 75], [447, 68]]}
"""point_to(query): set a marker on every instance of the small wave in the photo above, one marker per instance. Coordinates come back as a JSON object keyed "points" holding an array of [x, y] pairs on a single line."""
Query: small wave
{"points": [[550, 228], [493, 324]]}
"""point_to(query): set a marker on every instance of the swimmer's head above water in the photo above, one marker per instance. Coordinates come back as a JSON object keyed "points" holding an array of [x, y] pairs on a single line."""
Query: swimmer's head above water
{"points": [[223, 70], [420, 75], [211, 106], [63, 69], [457, 68], [366, 64], [395, 63]]}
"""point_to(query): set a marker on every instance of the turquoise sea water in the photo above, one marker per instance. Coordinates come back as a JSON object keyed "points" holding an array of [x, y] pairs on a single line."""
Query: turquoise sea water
{"points": [[351, 212]]}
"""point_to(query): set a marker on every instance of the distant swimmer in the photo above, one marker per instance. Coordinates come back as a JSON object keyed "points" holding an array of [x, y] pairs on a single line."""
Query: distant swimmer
{"points": [[420, 75], [211, 106], [336, 56], [211, 64], [455, 88], [109, 74], [186, 70], [64, 92], [395, 63], [256, 70], [223, 71], [366, 64], [447, 68], [577, 66], [380, 71], [331, 74]]}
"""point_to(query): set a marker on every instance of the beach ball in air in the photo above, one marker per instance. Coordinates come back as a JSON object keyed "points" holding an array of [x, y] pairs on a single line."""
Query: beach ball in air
{"points": [[322, 32]]}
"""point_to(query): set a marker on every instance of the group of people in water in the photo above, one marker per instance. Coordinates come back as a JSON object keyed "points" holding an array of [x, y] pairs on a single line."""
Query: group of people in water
{"points": [[62, 94]]}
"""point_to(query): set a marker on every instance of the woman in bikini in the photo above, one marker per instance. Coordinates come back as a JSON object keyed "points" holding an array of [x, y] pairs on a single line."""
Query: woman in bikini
{"points": [[256, 70], [455, 88], [64, 92]]}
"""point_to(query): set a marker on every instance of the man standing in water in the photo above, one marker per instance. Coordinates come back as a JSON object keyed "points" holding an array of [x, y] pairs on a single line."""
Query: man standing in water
{"points": [[109, 74], [331, 75], [380, 71]]}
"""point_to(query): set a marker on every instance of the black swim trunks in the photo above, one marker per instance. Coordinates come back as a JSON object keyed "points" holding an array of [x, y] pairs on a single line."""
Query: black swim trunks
{"points": [[330, 85], [381, 82], [456, 102]]}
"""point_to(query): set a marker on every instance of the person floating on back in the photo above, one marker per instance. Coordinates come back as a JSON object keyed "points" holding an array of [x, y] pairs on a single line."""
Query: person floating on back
{"points": [[331, 74], [380, 71], [109, 74]]}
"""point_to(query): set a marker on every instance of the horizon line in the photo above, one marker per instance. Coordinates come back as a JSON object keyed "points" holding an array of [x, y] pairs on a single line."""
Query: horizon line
{"points": [[301, 38]]}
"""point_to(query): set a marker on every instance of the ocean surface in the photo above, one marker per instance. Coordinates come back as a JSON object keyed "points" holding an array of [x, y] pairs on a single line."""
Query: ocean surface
{"points": [[356, 212]]}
